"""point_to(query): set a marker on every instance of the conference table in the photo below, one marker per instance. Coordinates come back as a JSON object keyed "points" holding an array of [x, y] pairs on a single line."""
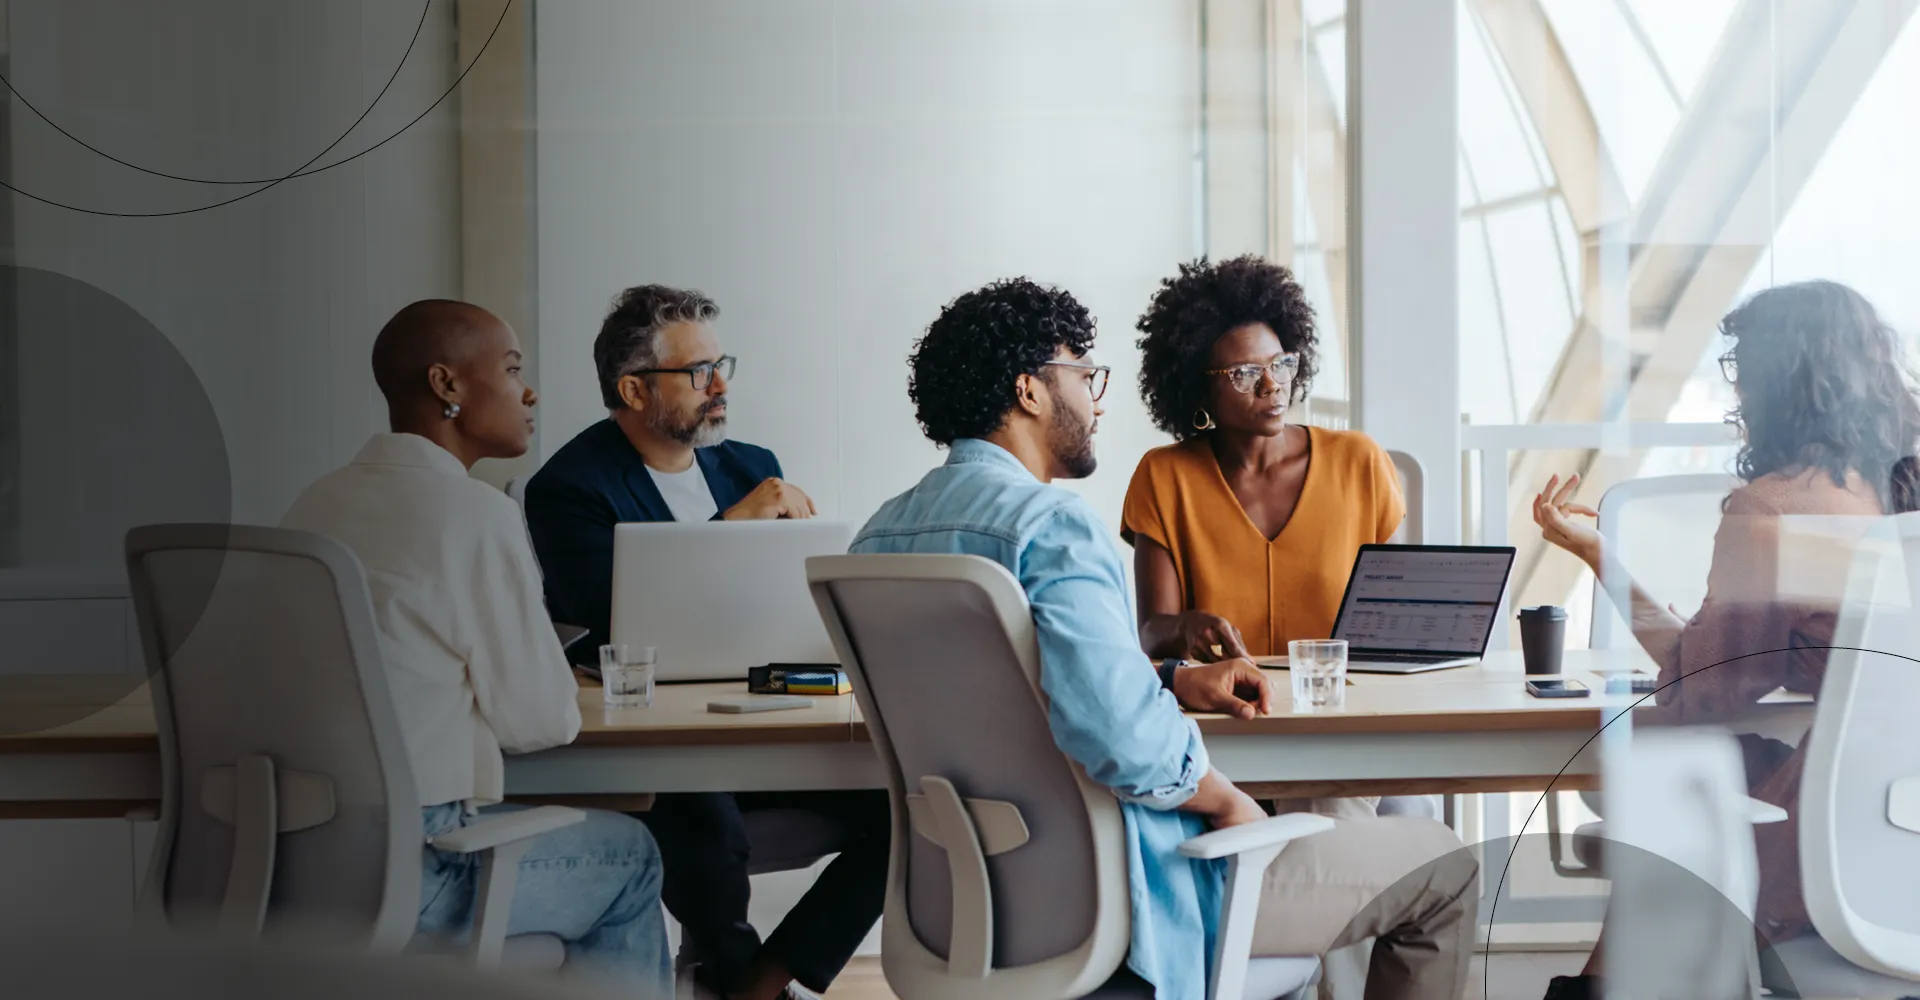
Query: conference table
{"points": [[79, 746]]}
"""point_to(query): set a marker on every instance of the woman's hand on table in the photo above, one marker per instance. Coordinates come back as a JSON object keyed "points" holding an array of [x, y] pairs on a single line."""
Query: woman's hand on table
{"points": [[1207, 637], [1558, 517], [1235, 687]]}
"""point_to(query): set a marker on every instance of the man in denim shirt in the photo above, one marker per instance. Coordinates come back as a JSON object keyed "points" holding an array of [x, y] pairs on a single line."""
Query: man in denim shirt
{"points": [[1003, 379]]}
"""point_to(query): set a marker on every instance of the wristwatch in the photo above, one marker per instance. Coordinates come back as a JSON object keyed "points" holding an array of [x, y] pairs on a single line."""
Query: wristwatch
{"points": [[1167, 667]]}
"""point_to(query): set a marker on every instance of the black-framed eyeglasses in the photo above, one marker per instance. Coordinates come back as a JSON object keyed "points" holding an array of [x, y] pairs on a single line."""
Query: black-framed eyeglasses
{"points": [[1096, 376], [1244, 378], [701, 374], [1730, 367]]}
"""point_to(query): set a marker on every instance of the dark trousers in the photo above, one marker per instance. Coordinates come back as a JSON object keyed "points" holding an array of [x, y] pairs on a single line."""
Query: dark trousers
{"points": [[706, 857]]}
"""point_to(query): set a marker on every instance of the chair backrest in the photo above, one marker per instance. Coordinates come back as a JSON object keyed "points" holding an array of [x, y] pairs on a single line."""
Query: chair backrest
{"points": [[1662, 529], [1860, 793], [1681, 856], [1413, 487], [1008, 874], [287, 797]]}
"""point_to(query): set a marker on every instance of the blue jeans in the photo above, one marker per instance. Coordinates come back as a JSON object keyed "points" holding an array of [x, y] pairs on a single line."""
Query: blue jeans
{"points": [[595, 885]]}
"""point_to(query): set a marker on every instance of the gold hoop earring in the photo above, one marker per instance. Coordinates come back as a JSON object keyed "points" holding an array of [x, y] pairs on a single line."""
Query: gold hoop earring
{"points": [[1202, 420]]}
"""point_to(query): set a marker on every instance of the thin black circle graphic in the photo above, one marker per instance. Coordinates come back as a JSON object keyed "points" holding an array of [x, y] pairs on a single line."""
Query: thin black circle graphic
{"points": [[302, 171], [1486, 980], [133, 450]]}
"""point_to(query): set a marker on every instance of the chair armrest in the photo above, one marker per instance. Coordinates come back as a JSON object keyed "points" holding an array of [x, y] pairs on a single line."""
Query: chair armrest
{"points": [[1248, 849], [1759, 812], [1275, 832], [501, 841], [507, 828]]}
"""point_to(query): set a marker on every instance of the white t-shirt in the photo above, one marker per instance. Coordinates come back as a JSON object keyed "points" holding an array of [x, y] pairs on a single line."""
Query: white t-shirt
{"points": [[686, 493]]}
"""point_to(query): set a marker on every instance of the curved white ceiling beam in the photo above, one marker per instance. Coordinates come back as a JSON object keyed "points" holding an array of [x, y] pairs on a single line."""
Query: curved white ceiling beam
{"points": [[1736, 161]]}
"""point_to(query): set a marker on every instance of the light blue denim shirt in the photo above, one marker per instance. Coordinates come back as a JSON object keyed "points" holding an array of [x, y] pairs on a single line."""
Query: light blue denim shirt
{"points": [[1108, 710]]}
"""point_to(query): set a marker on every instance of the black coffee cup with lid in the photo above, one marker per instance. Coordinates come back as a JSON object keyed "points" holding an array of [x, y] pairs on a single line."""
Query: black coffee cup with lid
{"points": [[1543, 634]]}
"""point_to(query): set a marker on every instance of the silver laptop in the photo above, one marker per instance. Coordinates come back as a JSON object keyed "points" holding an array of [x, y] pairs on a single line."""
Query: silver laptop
{"points": [[1414, 608], [716, 598]]}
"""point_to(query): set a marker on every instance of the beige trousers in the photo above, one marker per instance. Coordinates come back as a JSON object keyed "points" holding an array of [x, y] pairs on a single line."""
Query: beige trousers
{"points": [[1407, 883]]}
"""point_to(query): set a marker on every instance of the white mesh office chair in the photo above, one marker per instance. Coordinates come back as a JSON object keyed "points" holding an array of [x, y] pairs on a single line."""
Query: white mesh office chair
{"points": [[287, 799], [1685, 878], [1413, 531], [516, 490], [1008, 878], [1860, 795], [1413, 489], [1661, 529]]}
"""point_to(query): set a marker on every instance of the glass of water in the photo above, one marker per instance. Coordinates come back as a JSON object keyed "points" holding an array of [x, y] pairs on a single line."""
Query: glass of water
{"points": [[626, 676], [1319, 669]]}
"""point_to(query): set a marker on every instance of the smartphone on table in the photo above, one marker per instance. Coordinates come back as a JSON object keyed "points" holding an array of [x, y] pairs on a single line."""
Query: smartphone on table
{"points": [[1556, 687]]}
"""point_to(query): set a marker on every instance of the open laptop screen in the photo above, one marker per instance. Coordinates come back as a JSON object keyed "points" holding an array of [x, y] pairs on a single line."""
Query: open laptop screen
{"points": [[1423, 598]]}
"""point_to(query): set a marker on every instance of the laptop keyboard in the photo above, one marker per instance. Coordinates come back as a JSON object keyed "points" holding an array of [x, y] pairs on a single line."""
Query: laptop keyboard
{"points": [[1406, 657]]}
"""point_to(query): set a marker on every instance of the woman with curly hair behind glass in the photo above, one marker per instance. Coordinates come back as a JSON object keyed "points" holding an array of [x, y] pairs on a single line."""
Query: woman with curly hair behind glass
{"points": [[1244, 530], [1829, 425]]}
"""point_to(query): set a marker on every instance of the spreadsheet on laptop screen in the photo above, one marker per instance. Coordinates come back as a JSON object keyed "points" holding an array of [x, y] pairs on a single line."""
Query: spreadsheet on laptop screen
{"points": [[1423, 601]]}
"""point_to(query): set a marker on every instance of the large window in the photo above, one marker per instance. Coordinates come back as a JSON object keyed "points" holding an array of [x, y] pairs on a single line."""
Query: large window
{"points": [[1271, 160], [1320, 195], [1630, 169]]}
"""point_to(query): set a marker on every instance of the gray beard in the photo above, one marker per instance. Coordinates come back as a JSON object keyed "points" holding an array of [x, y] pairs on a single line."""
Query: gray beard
{"points": [[708, 434], [699, 432]]}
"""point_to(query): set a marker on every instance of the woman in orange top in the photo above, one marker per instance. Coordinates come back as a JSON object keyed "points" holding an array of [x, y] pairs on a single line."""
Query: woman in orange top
{"points": [[1245, 530]]}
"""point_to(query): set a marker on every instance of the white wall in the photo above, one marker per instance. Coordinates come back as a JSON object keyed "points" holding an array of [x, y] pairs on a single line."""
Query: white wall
{"points": [[833, 173], [1405, 240], [273, 301]]}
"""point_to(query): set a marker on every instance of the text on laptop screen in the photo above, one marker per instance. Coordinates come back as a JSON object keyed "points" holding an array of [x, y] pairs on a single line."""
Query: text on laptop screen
{"points": [[1420, 601]]}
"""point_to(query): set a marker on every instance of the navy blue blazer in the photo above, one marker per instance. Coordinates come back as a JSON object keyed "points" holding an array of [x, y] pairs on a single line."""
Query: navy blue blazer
{"points": [[597, 481]]}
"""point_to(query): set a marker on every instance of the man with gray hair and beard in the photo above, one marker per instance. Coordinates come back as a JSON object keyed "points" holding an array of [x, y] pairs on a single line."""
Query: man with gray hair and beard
{"points": [[663, 455]]}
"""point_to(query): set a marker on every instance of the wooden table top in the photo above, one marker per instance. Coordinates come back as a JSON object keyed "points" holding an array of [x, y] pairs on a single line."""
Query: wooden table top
{"points": [[113, 713], [1489, 696]]}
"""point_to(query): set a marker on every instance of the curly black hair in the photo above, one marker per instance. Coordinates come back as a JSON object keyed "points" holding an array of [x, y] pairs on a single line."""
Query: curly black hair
{"points": [[965, 367], [1823, 384], [1199, 306]]}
